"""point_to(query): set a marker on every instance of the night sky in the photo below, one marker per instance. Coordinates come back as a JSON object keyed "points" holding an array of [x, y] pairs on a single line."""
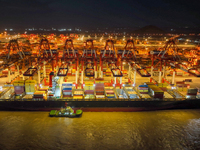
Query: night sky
{"points": [[99, 13]]}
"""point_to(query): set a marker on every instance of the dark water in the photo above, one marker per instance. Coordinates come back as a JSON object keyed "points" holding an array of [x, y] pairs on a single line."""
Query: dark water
{"points": [[158, 130]]}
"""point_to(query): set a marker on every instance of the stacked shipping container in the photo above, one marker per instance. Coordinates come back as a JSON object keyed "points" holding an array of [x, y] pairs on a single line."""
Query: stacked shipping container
{"points": [[78, 94], [181, 86], [19, 88], [67, 89], [99, 88], [143, 89], [40, 95], [109, 92], [30, 86], [155, 91], [89, 90]]}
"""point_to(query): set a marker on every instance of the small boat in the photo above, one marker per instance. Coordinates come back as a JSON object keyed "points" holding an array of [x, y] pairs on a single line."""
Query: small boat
{"points": [[66, 112]]}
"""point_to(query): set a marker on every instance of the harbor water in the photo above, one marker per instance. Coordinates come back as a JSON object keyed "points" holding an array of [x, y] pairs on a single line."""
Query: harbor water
{"points": [[154, 130]]}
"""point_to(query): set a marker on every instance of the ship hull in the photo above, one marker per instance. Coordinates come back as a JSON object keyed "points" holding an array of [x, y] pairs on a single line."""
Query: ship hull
{"points": [[99, 106]]}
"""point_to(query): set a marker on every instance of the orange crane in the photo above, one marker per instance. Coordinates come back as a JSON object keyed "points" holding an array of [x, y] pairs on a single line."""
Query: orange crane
{"points": [[168, 55], [69, 55], [109, 56], [14, 54], [45, 52], [90, 59], [163, 56]]}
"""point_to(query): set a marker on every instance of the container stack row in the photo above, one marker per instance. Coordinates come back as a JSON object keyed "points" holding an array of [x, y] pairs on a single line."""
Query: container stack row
{"points": [[181, 86], [155, 91], [40, 95], [30, 87], [109, 91], [89, 90], [163, 86], [50, 94], [143, 89], [78, 94], [99, 88], [19, 88], [67, 89]]}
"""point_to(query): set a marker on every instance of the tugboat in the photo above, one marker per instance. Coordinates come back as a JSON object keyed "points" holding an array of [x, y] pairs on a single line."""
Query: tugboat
{"points": [[66, 112]]}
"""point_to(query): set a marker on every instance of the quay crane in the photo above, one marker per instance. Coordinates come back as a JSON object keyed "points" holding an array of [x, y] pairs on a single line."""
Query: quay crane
{"points": [[90, 59], [45, 56], [129, 55], [178, 61], [164, 56], [168, 55], [14, 51], [14, 55], [109, 56], [47, 52], [69, 56]]}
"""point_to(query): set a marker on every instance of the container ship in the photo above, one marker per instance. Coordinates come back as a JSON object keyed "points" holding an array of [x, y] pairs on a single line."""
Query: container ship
{"points": [[93, 78]]}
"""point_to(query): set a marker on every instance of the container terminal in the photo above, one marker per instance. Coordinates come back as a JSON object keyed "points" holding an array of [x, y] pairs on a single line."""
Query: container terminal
{"points": [[97, 74]]}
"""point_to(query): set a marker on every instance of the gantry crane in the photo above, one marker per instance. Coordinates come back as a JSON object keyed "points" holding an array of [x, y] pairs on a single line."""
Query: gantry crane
{"points": [[168, 55], [129, 55], [109, 56], [46, 54], [69, 56], [14, 55], [89, 60], [163, 56], [14, 51]]}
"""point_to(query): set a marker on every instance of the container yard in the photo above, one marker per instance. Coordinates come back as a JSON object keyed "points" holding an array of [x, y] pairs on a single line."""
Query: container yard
{"points": [[54, 71]]}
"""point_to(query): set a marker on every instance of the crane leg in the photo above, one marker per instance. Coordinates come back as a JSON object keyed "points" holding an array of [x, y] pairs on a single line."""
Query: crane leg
{"points": [[9, 77], [38, 76], [173, 77], [134, 77], [151, 71], [160, 75]]}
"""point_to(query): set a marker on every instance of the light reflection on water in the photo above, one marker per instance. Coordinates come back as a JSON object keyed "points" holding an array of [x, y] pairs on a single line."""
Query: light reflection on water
{"points": [[173, 129]]}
